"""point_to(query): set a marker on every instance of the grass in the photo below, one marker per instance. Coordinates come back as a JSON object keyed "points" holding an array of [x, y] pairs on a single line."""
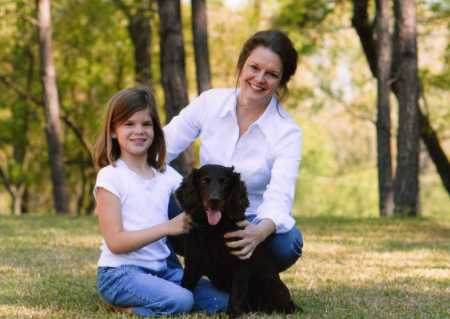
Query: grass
{"points": [[351, 268]]}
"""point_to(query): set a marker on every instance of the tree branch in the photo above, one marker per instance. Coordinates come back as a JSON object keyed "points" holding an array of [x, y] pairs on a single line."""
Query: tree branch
{"points": [[437, 154], [123, 7], [27, 95], [360, 21], [6, 182], [79, 136], [21, 92]]}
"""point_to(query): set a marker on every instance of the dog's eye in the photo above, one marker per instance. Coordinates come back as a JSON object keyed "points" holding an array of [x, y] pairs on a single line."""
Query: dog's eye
{"points": [[222, 180], [205, 181]]}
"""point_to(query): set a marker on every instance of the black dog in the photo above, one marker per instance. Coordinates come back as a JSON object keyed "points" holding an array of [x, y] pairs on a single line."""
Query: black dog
{"points": [[216, 199]]}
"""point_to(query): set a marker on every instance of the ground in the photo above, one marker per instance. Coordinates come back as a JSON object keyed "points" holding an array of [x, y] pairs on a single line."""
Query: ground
{"points": [[351, 268]]}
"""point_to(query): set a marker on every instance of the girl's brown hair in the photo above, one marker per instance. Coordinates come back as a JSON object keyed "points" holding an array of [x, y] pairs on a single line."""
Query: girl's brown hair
{"points": [[121, 107]]}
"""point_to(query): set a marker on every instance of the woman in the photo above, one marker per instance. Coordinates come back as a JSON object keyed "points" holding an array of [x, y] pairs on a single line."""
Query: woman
{"points": [[247, 128]]}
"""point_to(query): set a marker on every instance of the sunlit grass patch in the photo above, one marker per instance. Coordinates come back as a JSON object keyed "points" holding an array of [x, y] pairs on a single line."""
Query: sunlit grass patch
{"points": [[351, 268]]}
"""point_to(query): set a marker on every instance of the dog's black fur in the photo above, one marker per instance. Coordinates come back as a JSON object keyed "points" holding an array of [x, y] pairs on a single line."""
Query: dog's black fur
{"points": [[254, 284]]}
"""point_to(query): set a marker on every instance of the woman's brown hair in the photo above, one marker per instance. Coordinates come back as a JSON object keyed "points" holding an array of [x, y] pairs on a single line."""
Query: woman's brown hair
{"points": [[121, 107]]}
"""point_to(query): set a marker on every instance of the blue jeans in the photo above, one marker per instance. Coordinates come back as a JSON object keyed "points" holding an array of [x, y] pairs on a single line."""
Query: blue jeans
{"points": [[155, 294], [286, 248]]}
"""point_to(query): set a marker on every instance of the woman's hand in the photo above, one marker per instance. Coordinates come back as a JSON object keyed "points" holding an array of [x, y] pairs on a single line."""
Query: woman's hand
{"points": [[181, 224], [250, 237]]}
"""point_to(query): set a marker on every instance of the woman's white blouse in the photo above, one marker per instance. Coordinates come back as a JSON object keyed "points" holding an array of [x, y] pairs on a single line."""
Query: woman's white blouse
{"points": [[267, 155]]}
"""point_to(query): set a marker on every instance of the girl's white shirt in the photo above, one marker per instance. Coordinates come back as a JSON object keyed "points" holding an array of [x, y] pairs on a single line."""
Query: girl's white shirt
{"points": [[144, 203], [267, 155]]}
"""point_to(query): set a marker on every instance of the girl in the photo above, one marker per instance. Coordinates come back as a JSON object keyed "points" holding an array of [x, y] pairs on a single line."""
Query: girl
{"points": [[132, 192]]}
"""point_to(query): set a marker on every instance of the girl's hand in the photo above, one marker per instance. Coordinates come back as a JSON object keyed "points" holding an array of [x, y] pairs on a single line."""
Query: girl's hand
{"points": [[180, 224], [250, 237]]}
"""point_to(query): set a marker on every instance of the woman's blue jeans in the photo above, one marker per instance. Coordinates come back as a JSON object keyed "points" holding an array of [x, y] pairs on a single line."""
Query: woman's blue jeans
{"points": [[286, 248], [155, 294]]}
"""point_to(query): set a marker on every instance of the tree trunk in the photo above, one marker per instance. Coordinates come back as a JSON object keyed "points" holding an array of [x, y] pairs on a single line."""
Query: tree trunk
{"points": [[17, 203], [200, 34], [51, 101], [173, 74], [139, 29], [384, 156], [406, 194]]}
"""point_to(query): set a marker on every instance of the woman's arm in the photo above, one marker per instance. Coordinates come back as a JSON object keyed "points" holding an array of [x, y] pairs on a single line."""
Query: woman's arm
{"points": [[120, 241], [274, 213], [279, 194], [184, 128]]}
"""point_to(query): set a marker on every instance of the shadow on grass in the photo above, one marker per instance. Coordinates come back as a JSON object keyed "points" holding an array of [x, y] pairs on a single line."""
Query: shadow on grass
{"points": [[390, 234], [59, 293], [77, 295], [398, 245], [385, 300]]}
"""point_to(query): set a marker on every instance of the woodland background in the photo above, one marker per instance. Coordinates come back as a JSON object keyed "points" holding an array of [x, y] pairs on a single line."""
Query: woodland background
{"points": [[366, 152], [371, 94]]}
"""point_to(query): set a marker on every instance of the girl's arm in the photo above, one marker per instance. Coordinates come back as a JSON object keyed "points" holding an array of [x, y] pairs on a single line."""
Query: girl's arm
{"points": [[120, 241]]}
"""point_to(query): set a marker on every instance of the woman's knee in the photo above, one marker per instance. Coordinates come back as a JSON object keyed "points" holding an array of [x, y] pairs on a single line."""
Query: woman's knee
{"points": [[287, 248], [180, 301]]}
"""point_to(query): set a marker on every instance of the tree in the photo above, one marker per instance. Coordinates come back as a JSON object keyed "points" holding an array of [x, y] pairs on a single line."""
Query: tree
{"points": [[51, 100], [201, 51], [383, 127], [173, 74], [139, 28], [405, 74]]}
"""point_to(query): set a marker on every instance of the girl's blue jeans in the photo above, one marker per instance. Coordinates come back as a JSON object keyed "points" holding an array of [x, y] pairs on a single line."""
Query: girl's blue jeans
{"points": [[286, 248], [155, 294]]}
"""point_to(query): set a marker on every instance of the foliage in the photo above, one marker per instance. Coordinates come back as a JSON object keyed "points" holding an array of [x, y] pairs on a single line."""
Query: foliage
{"points": [[351, 268], [312, 17]]}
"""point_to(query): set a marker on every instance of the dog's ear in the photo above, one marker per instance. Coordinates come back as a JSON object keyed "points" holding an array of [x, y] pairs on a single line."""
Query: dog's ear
{"points": [[237, 201], [188, 194]]}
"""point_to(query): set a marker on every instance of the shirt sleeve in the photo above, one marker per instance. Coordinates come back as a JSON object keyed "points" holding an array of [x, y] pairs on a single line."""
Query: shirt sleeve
{"points": [[108, 180], [279, 195], [184, 128], [175, 178]]}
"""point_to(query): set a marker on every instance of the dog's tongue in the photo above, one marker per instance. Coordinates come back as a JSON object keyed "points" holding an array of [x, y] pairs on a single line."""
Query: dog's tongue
{"points": [[214, 216]]}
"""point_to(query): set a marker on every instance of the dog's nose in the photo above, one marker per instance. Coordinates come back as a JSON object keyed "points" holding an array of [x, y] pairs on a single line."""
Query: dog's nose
{"points": [[214, 193], [214, 203]]}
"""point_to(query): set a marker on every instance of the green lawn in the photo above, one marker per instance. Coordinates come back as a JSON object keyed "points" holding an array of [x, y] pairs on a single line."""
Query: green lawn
{"points": [[351, 268]]}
